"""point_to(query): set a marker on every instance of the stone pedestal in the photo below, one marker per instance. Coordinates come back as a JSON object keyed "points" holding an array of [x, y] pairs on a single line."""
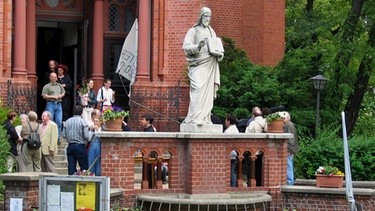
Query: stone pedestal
{"points": [[194, 128]]}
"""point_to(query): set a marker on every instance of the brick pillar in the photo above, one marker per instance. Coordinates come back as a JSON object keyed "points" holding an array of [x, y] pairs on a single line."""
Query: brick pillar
{"points": [[159, 182], [239, 172], [252, 180], [23, 185], [144, 39], [19, 70], [144, 184], [31, 41], [98, 42]]}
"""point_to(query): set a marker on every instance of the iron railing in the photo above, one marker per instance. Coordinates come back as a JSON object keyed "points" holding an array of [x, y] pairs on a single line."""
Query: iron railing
{"points": [[21, 98], [163, 104]]}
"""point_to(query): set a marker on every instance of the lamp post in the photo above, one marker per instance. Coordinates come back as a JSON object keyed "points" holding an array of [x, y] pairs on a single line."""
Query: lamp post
{"points": [[319, 82]]}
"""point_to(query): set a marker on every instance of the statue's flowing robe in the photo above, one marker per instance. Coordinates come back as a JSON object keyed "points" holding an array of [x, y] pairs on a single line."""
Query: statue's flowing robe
{"points": [[204, 75]]}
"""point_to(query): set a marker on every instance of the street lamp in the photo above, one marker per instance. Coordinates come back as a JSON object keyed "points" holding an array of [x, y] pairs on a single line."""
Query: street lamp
{"points": [[319, 82]]}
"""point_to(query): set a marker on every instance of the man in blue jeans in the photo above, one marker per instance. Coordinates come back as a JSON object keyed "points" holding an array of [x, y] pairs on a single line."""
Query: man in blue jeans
{"points": [[76, 132], [53, 93], [293, 147]]}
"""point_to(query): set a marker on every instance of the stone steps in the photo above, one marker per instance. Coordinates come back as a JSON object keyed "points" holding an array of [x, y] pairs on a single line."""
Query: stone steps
{"points": [[61, 163]]}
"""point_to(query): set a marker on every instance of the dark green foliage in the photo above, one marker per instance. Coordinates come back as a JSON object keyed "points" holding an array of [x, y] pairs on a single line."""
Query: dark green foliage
{"points": [[4, 144], [243, 84], [4, 149], [328, 149]]}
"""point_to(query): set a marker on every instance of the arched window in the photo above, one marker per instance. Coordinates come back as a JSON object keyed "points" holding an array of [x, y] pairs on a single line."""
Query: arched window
{"points": [[113, 18], [120, 16]]}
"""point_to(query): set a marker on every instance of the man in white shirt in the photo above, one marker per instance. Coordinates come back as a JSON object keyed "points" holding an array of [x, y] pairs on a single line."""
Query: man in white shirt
{"points": [[230, 123], [106, 96]]}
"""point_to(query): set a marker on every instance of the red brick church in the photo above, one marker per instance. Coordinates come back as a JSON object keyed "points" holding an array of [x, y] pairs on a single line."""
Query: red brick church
{"points": [[87, 36]]}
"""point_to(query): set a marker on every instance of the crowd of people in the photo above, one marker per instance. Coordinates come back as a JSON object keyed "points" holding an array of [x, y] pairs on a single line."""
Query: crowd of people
{"points": [[79, 130], [57, 124]]}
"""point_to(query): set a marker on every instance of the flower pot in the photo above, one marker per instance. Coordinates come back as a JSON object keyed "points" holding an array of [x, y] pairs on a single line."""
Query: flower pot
{"points": [[334, 181], [276, 126], [113, 124]]}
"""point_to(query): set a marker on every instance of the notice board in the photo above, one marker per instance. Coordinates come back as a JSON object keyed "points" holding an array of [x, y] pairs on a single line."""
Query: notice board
{"points": [[80, 193]]}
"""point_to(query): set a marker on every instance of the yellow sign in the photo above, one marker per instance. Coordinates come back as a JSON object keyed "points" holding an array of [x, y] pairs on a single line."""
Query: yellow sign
{"points": [[85, 195]]}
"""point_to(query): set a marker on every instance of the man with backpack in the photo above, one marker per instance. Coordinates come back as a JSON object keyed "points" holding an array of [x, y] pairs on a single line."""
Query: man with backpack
{"points": [[258, 125], [31, 152]]}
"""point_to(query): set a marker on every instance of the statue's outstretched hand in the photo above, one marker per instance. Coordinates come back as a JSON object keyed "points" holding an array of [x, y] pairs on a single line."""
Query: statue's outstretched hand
{"points": [[201, 44]]}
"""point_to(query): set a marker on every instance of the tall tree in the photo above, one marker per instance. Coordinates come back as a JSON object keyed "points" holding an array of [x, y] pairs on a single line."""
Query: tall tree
{"points": [[332, 36], [353, 104]]}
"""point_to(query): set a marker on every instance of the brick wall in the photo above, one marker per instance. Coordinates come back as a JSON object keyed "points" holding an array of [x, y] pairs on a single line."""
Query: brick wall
{"points": [[27, 190], [5, 46], [5, 39], [328, 199], [257, 26], [199, 164]]}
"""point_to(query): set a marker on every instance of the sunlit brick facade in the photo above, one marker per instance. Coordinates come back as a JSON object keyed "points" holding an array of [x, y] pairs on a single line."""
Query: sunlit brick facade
{"points": [[87, 36]]}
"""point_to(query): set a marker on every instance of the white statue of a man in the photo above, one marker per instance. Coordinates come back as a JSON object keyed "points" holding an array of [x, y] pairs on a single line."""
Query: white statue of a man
{"points": [[203, 51]]}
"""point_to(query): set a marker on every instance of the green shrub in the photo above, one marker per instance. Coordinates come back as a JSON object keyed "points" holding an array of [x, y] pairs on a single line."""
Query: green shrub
{"points": [[243, 84], [328, 149], [4, 146], [4, 150]]}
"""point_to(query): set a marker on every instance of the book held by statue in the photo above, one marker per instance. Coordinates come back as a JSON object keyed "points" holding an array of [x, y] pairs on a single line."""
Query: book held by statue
{"points": [[215, 46]]}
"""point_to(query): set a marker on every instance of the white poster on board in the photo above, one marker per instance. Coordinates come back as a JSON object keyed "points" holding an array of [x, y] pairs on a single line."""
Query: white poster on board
{"points": [[16, 204], [53, 208], [67, 201], [53, 195]]}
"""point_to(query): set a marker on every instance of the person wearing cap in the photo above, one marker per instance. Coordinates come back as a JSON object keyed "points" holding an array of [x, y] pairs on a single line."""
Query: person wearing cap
{"points": [[203, 69]]}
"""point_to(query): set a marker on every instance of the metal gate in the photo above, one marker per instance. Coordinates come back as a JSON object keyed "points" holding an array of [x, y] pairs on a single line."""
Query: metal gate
{"points": [[163, 104], [20, 98]]}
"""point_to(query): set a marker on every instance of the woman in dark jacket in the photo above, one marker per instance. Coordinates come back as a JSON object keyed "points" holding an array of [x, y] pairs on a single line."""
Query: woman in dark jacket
{"points": [[64, 79]]}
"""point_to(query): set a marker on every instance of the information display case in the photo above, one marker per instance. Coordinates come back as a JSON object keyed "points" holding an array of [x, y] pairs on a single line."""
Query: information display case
{"points": [[80, 193]]}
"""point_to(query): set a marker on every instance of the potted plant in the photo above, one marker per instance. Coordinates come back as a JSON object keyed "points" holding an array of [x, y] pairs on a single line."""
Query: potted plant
{"points": [[329, 176], [113, 117], [275, 122]]}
